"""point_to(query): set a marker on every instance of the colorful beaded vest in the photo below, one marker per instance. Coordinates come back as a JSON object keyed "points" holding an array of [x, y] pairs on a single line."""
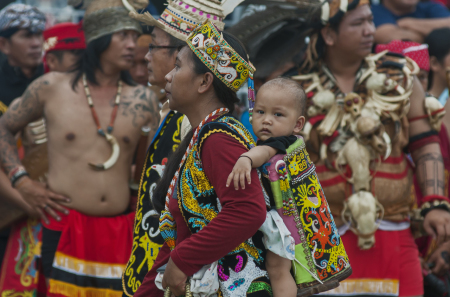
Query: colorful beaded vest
{"points": [[241, 272]]}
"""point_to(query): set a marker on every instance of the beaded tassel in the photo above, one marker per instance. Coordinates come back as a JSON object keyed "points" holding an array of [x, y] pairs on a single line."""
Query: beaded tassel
{"points": [[251, 95], [168, 228], [286, 193]]}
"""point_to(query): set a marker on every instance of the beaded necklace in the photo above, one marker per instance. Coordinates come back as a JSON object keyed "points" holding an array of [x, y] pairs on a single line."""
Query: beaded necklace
{"points": [[191, 144], [110, 127]]}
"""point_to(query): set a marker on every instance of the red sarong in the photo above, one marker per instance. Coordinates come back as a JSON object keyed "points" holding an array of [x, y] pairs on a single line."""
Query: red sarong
{"points": [[91, 255], [19, 274], [390, 268]]}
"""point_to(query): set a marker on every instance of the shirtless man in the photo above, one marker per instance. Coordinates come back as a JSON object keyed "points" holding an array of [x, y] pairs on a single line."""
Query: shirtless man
{"points": [[96, 197]]}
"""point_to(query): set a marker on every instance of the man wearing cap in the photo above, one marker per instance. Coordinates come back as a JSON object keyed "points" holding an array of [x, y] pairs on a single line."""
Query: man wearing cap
{"points": [[64, 44], [21, 42], [94, 116], [360, 120], [21, 28], [169, 33]]}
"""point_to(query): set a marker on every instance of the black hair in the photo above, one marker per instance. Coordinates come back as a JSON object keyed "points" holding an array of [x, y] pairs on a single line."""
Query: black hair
{"points": [[176, 43], [60, 53], [90, 61], [225, 95], [315, 50], [438, 46]]}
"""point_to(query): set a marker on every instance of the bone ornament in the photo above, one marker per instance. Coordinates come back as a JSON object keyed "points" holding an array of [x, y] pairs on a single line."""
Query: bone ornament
{"points": [[362, 210], [380, 83], [114, 156], [435, 111], [353, 105], [358, 157], [322, 103], [306, 130], [371, 132]]}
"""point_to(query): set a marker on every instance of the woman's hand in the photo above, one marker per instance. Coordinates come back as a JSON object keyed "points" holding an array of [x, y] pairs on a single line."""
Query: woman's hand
{"points": [[241, 171], [175, 279]]}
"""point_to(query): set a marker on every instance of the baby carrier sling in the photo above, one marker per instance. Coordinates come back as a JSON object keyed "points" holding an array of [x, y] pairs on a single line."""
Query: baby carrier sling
{"points": [[320, 259]]}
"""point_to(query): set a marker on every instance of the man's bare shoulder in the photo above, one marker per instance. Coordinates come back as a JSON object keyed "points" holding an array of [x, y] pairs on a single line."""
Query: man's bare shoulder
{"points": [[135, 92], [140, 101], [48, 83]]}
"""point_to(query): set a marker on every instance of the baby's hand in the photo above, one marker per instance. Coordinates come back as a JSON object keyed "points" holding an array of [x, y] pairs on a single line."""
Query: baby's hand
{"points": [[241, 170]]}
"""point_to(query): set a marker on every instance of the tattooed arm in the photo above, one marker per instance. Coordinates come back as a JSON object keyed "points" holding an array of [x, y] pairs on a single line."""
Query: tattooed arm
{"points": [[29, 109], [429, 168], [16, 118], [7, 192]]}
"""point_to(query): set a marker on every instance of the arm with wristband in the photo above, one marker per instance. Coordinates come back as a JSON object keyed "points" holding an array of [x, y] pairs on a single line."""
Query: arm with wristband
{"points": [[29, 109], [425, 151]]}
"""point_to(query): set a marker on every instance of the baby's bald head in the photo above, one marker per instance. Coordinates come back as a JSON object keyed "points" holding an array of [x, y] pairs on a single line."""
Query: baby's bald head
{"points": [[289, 87]]}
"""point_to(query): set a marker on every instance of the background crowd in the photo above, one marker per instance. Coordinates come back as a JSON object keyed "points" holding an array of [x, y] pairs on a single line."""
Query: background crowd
{"points": [[48, 37]]}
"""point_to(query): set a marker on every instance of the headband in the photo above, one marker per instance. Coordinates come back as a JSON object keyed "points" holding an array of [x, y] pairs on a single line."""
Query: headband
{"points": [[20, 16], [226, 64], [210, 47]]}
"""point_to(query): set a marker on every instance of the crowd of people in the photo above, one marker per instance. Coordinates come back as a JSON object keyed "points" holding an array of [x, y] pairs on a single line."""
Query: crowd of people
{"points": [[131, 166]]}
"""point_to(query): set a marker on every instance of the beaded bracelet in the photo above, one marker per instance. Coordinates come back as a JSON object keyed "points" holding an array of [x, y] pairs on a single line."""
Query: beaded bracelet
{"points": [[17, 173], [435, 204]]}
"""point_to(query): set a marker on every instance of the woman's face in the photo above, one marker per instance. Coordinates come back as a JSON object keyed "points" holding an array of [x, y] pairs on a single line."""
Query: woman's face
{"points": [[439, 68], [182, 82]]}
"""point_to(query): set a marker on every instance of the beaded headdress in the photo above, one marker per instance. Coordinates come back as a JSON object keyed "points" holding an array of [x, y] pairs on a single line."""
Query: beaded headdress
{"points": [[213, 50], [181, 17], [226, 64]]}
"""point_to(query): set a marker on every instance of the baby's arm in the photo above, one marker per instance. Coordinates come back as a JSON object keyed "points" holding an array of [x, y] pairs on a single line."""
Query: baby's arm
{"points": [[254, 158]]}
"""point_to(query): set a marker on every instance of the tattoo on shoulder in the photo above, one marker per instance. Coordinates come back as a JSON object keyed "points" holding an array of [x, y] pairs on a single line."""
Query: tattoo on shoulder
{"points": [[141, 104]]}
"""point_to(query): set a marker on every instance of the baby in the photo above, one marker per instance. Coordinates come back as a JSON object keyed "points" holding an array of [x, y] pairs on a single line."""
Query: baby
{"points": [[277, 117]]}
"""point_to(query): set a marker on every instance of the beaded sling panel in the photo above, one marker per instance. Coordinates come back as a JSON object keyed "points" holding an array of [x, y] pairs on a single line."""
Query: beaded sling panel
{"points": [[318, 246], [242, 272]]}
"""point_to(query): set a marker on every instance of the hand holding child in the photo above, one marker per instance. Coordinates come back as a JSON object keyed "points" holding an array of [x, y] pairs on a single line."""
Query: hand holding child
{"points": [[241, 171]]}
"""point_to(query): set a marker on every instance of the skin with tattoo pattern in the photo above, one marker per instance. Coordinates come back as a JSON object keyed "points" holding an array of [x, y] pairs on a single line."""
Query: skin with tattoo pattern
{"points": [[73, 141]]}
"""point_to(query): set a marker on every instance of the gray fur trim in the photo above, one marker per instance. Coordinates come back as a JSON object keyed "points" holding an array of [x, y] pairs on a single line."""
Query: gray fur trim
{"points": [[107, 21]]}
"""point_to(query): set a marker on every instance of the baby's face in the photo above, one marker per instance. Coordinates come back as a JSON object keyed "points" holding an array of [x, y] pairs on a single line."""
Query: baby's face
{"points": [[275, 113]]}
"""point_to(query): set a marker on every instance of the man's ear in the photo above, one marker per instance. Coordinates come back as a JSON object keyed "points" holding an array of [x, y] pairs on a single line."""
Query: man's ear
{"points": [[299, 125], [206, 83], [5, 46], [328, 35], [52, 61]]}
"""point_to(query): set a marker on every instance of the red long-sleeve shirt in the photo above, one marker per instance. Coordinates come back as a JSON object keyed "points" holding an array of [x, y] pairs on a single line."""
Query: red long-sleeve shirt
{"points": [[243, 212]]}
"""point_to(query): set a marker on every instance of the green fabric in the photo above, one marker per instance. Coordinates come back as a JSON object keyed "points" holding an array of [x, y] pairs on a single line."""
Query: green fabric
{"points": [[300, 274], [260, 286], [277, 196], [295, 145]]}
